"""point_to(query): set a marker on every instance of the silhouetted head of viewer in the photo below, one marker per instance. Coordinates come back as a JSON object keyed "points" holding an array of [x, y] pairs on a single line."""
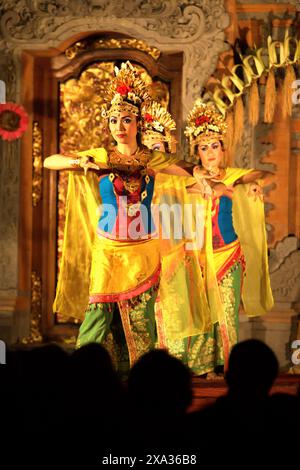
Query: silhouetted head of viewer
{"points": [[160, 383], [252, 369]]}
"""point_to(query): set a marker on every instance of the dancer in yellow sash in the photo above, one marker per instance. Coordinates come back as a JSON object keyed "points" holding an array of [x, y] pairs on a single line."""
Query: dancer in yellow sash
{"points": [[233, 257]]}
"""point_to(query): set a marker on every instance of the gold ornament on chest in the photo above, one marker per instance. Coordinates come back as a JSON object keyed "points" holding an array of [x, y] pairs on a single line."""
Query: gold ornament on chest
{"points": [[217, 173], [129, 163], [131, 170], [132, 184]]}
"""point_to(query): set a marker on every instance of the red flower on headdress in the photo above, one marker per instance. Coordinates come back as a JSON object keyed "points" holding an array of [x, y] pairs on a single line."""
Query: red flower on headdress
{"points": [[13, 121], [201, 120], [123, 89], [148, 117]]}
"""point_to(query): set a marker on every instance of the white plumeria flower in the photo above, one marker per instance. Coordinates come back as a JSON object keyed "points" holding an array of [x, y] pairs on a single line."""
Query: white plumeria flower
{"points": [[158, 126]]}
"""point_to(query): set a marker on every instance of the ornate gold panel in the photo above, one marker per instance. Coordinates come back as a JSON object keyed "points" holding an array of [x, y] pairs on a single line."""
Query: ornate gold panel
{"points": [[35, 335], [37, 164], [111, 43]]}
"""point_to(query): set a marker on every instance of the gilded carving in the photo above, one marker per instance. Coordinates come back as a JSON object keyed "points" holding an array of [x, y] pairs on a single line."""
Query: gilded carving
{"points": [[75, 49], [37, 164], [35, 335], [112, 43]]}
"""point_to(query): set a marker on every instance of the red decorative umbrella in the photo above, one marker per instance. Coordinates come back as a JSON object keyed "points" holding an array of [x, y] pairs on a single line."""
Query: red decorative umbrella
{"points": [[13, 121]]}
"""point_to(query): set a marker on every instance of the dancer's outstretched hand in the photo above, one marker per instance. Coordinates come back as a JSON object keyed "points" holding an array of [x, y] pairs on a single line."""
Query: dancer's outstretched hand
{"points": [[87, 164], [255, 191]]}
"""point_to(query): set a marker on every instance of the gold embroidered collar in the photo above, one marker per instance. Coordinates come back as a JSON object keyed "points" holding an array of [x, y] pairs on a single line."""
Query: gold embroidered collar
{"points": [[137, 161]]}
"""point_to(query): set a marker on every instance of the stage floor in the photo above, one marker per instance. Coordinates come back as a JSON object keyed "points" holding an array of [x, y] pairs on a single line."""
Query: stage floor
{"points": [[207, 391]]}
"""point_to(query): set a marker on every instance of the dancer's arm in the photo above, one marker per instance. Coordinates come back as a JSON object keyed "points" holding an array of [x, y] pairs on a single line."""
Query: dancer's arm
{"points": [[252, 177], [70, 161], [255, 189]]}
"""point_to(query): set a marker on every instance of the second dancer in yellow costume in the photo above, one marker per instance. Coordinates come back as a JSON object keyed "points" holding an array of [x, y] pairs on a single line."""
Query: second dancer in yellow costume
{"points": [[233, 255]]}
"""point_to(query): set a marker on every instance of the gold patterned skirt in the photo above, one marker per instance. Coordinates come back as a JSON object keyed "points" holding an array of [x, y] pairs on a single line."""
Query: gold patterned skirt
{"points": [[123, 269], [203, 352]]}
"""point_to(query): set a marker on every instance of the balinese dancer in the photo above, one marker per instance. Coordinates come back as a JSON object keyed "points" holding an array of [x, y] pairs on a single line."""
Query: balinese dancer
{"points": [[233, 257], [111, 258], [157, 132], [111, 261]]}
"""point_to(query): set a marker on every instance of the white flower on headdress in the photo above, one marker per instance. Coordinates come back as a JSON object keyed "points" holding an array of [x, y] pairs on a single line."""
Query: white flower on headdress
{"points": [[127, 65], [212, 127], [158, 126], [198, 130], [133, 97]]}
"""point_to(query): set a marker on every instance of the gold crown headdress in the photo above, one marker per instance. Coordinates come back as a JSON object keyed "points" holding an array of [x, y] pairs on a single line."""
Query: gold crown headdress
{"points": [[157, 124], [126, 92], [204, 121]]}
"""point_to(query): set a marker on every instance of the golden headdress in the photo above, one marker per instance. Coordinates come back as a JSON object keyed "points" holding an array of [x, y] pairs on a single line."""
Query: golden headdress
{"points": [[126, 92], [204, 121], [157, 125]]}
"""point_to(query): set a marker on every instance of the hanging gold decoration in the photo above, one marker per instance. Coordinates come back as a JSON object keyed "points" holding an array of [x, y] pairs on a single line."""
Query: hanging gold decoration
{"points": [[238, 120], [289, 78], [229, 139], [270, 98], [265, 60], [253, 103]]}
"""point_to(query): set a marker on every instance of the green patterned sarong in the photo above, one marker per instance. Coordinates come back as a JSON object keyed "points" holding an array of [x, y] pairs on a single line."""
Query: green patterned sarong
{"points": [[127, 329], [202, 353]]}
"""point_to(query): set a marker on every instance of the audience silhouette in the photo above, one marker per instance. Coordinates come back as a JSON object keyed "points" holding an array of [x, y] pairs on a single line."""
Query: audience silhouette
{"points": [[160, 390], [77, 412], [245, 418]]}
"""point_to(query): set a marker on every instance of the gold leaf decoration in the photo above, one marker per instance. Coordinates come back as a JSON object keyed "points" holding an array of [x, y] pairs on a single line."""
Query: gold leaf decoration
{"points": [[37, 164], [111, 43]]}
